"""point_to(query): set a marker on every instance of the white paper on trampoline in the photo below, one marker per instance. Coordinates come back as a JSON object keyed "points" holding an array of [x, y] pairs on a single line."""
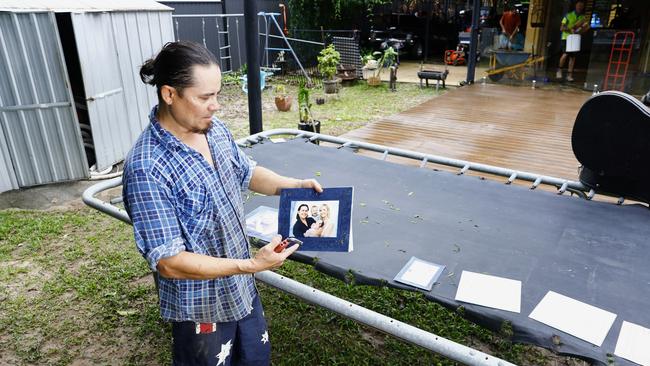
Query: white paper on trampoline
{"points": [[632, 344], [577, 318], [491, 291]]}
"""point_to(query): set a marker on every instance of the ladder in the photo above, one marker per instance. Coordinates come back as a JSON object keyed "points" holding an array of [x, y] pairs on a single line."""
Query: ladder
{"points": [[619, 60]]}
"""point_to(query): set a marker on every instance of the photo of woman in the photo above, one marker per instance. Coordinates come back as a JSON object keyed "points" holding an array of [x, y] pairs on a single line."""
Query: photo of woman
{"points": [[303, 221], [327, 225]]}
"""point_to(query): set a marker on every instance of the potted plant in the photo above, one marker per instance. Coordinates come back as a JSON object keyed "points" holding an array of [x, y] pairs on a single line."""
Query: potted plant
{"points": [[374, 67], [369, 65], [328, 60], [282, 99], [307, 122]]}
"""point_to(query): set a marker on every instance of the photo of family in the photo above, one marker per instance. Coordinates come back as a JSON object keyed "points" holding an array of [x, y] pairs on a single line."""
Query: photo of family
{"points": [[314, 219], [322, 221]]}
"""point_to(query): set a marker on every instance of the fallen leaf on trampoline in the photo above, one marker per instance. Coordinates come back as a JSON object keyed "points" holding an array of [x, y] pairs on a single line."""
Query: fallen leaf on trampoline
{"points": [[318, 174], [456, 248], [410, 194]]}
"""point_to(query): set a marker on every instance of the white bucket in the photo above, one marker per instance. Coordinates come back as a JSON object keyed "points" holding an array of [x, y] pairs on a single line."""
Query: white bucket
{"points": [[573, 43]]}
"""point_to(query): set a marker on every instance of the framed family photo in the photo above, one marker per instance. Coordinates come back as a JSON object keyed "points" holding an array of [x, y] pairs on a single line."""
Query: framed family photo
{"points": [[322, 221]]}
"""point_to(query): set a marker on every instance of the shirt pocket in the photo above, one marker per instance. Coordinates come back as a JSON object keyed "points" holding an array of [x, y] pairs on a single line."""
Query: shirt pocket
{"points": [[192, 199]]}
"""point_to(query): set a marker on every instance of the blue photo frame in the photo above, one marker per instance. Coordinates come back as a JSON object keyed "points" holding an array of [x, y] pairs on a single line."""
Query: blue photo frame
{"points": [[292, 197]]}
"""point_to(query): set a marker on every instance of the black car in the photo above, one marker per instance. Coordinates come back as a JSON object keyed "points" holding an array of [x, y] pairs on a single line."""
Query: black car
{"points": [[407, 35], [403, 42]]}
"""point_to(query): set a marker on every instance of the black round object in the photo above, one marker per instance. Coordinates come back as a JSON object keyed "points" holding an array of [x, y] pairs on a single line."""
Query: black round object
{"points": [[611, 139]]}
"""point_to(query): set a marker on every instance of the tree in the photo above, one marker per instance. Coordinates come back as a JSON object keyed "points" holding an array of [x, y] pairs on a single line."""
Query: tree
{"points": [[312, 14]]}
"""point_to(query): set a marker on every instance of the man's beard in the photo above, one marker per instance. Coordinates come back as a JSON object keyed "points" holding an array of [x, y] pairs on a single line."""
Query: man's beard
{"points": [[203, 131]]}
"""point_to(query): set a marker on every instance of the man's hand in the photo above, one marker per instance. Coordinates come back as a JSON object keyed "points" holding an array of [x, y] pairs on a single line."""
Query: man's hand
{"points": [[311, 183], [267, 258]]}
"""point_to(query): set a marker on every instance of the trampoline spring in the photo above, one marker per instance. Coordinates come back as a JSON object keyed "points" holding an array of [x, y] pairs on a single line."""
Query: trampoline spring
{"points": [[465, 168], [563, 188], [536, 183], [512, 178], [620, 200], [424, 162], [313, 138], [384, 156], [591, 194], [347, 144]]}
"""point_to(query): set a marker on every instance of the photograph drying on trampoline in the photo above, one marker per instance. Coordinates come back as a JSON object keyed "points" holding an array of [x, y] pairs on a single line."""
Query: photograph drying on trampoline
{"points": [[314, 219], [320, 220]]}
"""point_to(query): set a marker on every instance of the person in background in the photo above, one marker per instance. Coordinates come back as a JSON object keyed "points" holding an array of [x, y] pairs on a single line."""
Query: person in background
{"points": [[574, 22], [510, 22]]}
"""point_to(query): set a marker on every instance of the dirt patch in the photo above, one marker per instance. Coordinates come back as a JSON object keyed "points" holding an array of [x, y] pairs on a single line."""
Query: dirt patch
{"points": [[375, 338], [22, 282]]}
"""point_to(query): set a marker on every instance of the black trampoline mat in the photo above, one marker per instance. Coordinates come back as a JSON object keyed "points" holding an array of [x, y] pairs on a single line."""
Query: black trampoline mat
{"points": [[594, 252]]}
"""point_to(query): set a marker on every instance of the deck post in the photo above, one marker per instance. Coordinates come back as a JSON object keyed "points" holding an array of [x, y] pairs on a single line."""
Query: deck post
{"points": [[473, 45], [253, 61]]}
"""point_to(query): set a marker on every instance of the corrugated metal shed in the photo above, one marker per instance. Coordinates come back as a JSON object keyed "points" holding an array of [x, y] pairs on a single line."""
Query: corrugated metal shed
{"points": [[40, 133], [40, 130], [118, 102], [67, 6]]}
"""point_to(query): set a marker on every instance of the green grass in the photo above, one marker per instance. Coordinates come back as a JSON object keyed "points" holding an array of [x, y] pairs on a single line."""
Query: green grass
{"points": [[74, 287], [73, 282], [352, 108]]}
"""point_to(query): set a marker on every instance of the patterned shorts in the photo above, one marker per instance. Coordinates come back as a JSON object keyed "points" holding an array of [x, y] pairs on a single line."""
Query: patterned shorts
{"points": [[242, 342]]}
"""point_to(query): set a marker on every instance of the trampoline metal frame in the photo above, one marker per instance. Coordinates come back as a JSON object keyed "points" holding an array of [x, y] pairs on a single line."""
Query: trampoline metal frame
{"points": [[562, 185], [406, 332], [432, 342]]}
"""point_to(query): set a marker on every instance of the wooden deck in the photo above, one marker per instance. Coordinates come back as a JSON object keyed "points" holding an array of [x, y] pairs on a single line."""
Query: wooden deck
{"points": [[513, 127]]}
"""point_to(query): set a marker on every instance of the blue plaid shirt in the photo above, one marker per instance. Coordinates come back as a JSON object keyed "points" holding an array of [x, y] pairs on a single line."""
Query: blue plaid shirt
{"points": [[178, 202]]}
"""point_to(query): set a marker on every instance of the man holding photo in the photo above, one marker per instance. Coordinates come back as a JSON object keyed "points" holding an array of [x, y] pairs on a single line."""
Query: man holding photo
{"points": [[183, 182]]}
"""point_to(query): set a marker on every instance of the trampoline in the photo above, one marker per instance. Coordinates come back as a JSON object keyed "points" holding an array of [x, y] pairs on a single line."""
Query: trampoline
{"points": [[592, 251]]}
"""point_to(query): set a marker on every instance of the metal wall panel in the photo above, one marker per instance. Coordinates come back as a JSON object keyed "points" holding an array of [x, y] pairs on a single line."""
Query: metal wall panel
{"points": [[111, 48], [140, 35], [100, 70], [39, 126], [7, 175]]}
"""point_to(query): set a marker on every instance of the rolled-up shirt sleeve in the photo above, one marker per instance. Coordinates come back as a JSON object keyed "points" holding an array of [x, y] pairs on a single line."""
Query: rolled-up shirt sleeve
{"points": [[157, 231], [244, 167]]}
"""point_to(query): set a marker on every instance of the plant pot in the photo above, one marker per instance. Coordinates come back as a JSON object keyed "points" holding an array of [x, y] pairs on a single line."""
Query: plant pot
{"points": [[320, 101], [283, 103], [374, 80], [367, 72], [331, 86], [315, 127]]}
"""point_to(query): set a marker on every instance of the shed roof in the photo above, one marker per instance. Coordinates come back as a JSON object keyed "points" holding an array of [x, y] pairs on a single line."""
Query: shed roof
{"points": [[61, 6]]}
